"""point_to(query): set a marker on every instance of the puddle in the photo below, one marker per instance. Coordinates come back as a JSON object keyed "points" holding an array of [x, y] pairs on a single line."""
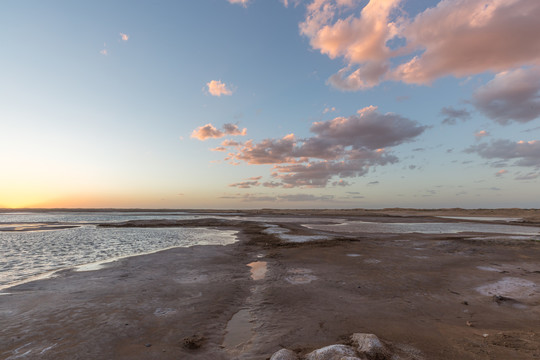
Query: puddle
{"points": [[482, 218], [510, 287], [164, 312], [487, 268], [353, 255], [258, 270], [300, 276], [508, 237], [90, 267], [424, 228], [238, 332], [34, 227], [372, 261], [192, 277], [303, 238], [284, 235]]}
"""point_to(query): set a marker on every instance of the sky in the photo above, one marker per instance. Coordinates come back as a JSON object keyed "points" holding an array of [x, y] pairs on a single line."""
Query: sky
{"points": [[270, 103]]}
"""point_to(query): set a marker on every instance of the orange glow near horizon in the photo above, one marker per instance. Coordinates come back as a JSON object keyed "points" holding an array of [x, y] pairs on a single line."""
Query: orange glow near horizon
{"points": [[107, 200]]}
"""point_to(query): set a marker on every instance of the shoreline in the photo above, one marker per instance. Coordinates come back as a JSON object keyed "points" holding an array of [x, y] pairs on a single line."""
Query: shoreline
{"points": [[436, 294]]}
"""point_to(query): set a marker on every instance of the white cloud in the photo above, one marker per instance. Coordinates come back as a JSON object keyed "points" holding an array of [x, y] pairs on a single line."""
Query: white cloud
{"points": [[244, 3]]}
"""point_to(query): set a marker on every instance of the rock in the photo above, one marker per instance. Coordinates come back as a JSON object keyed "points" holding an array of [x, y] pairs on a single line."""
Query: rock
{"points": [[193, 342], [370, 346], [284, 354], [499, 298], [333, 352]]}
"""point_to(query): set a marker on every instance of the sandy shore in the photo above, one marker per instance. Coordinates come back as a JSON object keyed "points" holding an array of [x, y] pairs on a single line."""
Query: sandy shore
{"points": [[426, 296]]}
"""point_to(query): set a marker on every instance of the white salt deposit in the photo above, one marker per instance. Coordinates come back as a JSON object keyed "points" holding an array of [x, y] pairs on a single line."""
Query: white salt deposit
{"points": [[511, 287]]}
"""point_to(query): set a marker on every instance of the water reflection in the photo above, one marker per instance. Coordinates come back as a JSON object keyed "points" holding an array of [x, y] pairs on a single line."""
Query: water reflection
{"points": [[258, 270], [26, 254], [425, 228], [238, 332]]}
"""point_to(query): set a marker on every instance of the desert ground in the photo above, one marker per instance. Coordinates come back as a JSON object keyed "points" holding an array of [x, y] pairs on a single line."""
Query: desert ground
{"points": [[426, 296]]}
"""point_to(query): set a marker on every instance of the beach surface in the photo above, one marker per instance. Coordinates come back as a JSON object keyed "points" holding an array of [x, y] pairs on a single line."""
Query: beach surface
{"points": [[426, 296]]}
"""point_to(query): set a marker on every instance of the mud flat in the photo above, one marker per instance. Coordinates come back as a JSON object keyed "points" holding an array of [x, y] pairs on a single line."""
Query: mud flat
{"points": [[426, 296]]}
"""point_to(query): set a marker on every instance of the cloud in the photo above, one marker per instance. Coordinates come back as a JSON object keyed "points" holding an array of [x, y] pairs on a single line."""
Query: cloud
{"points": [[124, 37], [373, 183], [480, 134], [251, 197], [251, 182], [524, 153], [329, 109], [305, 197], [531, 130], [104, 52], [208, 131], [289, 198], [239, 2], [245, 184], [457, 37], [510, 96], [341, 182], [468, 37], [271, 184], [343, 147], [501, 172], [529, 176], [452, 115], [218, 88]]}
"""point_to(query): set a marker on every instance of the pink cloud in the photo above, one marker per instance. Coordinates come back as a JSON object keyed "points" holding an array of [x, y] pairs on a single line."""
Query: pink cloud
{"points": [[329, 109], [208, 131], [124, 37], [457, 37], [501, 172], [468, 37], [481, 134], [341, 147], [268, 151], [218, 88]]}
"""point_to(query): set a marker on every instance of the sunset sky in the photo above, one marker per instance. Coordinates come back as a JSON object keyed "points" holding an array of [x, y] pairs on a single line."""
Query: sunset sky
{"points": [[270, 104]]}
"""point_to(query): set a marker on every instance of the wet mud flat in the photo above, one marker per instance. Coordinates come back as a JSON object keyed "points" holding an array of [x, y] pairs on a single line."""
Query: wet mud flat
{"points": [[426, 296]]}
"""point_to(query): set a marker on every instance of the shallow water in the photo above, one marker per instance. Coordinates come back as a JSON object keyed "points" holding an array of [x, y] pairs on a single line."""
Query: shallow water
{"points": [[26, 254], [92, 217], [238, 331], [425, 228], [43, 247], [482, 218], [258, 269]]}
